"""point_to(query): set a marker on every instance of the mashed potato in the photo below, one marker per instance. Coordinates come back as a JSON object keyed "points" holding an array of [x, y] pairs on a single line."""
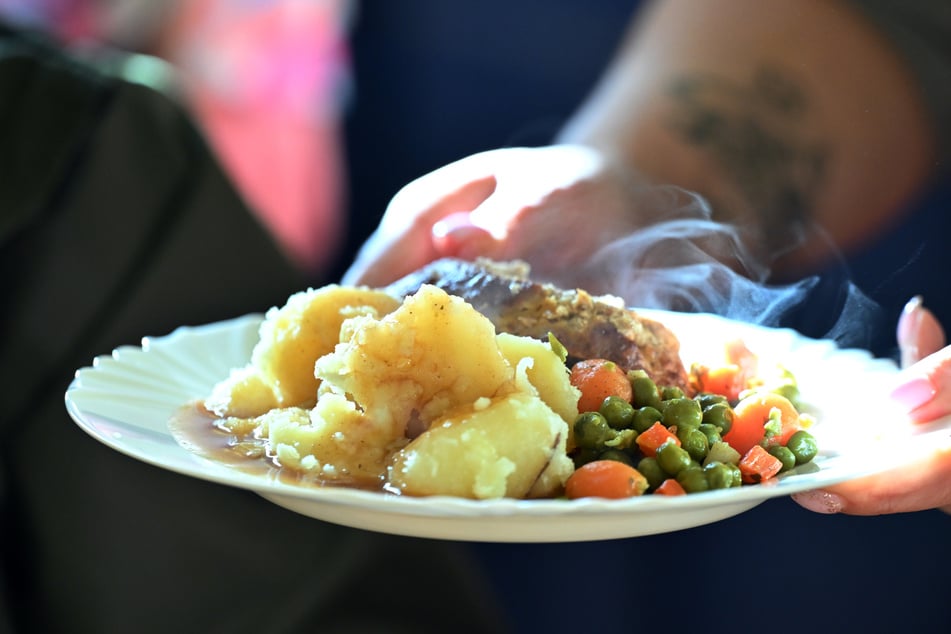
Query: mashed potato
{"points": [[489, 450], [291, 338], [421, 395]]}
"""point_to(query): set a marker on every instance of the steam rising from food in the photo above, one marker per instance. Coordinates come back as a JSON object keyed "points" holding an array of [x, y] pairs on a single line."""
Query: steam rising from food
{"points": [[686, 261]]}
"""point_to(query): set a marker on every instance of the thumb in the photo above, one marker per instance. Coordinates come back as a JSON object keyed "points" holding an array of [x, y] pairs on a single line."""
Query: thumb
{"points": [[917, 485]]}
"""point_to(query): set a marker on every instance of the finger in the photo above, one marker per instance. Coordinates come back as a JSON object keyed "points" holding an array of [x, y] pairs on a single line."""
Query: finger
{"points": [[919, 333], [403, 242], [922, 483], [457, 236], [924, 389]]}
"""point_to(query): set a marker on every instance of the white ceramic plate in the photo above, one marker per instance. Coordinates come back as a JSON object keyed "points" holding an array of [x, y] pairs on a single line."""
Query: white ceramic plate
{"points": [[125, 399]]}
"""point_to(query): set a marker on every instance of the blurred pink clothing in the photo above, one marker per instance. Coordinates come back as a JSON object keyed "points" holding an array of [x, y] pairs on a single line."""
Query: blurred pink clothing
{"points": [[266, 80]]}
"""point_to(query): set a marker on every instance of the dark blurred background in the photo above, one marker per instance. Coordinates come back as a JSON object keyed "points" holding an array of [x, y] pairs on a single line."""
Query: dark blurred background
{"points": [[436, 81]]}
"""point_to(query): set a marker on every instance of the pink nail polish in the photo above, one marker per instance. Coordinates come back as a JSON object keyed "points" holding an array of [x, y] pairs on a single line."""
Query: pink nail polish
{"points": [[909, 318], [453, 222], [449, 233], [820, 501], [456, 236], [913, 304], [914, 393], [907, 332]]}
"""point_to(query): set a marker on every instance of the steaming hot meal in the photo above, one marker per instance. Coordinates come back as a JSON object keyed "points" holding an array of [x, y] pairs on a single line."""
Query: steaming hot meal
{"points": [[471, 380]]}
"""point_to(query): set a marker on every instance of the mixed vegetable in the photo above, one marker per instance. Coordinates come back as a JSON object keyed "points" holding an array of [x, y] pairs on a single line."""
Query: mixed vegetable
{"points": [[635, 437]]}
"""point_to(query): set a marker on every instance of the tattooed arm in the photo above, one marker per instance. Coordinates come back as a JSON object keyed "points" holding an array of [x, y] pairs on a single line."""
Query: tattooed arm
{"points": [[780, 113], [784, 116]]}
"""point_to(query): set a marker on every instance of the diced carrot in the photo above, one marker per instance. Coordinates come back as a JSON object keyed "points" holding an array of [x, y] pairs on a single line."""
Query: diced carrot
{"points": [[738, 370], [752, 415], [598, 379], [758, 465], [670, 486], [653, 437], [738, 354], [726, 380], [605, 479]]}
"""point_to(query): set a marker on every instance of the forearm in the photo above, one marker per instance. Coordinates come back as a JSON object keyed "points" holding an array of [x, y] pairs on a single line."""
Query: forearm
{"points": [[781, 113]]}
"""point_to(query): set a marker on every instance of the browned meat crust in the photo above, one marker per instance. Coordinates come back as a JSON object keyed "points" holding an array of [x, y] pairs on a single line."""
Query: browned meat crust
{"points": [[588, 326]]}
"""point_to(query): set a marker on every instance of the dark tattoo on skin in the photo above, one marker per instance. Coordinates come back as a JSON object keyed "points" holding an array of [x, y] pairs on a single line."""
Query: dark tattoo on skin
{"points": [[754, 132]]}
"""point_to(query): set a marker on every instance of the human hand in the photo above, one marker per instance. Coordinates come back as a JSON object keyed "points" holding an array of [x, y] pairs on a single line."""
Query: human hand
{"points": [[549, 206], [924, 391]]}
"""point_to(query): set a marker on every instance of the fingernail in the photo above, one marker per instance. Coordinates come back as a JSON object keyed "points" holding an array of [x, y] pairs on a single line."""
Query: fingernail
{"points": [[446, 225], [820, 501], [914, 392], [909, 324], [448, 232], [455, 235]]}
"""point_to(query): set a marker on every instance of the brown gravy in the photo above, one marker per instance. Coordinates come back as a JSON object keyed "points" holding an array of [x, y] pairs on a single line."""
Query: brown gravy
{"points": [[199, 431]]}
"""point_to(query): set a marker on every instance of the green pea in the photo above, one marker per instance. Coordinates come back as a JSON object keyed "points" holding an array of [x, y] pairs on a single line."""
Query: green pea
{"points": [[737, 474], [719, 475], [592, 430], [719, 414], [784, 455], [650, 469], [623, 440], [645, 417], [617, 455], [803, 445], [670, 392], [706, 399], [673, 458], [682, 412], [584, 455], [694, 442], [618, 412], [693, 479], [644, 390], [712, 432], [787, 387]]}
